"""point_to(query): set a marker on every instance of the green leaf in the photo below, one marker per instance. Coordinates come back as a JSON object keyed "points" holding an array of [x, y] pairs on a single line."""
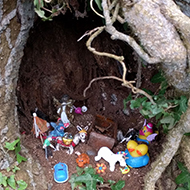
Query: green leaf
{"points": [[137, 102], [183, 104], [111, 182], [164, 86], [82, 188], [127, 99], [167, 119], [182, 178], [159, 115], [15, 169], [73, 183], [79, 170], [22, 184], [3, 180], [7, 188], [98, 2], [181, 188], [157, 78], [40, 13], [18, 148], [119, 185], [145, 112], [182, 167], [20, 158], [11, 181], [146, 105], [11, 146], [90, 170]]}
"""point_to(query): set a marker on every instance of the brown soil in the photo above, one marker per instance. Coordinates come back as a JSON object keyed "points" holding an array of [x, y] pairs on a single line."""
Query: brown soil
{"points": [[55, 64]]}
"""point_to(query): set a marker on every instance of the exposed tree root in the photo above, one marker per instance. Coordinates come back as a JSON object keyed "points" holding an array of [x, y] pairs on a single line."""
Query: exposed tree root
{"points": [[170, 148], [120, 59]]}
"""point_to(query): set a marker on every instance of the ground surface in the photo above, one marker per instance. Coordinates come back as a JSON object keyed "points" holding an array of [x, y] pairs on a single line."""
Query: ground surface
{"points": [[55, 64]]}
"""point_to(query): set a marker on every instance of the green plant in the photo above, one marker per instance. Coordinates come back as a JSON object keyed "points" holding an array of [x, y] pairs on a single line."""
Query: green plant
{"points": [[87, 179], [15, 145], [166, 111], [183, 178], [42, 7], [8, 180]]}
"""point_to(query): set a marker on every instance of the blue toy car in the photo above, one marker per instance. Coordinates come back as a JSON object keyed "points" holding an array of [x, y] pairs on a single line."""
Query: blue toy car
{"points": [[60, 172]]}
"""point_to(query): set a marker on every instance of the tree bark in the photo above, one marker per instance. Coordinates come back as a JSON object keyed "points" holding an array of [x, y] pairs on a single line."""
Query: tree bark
{"points": [[16, 19]]}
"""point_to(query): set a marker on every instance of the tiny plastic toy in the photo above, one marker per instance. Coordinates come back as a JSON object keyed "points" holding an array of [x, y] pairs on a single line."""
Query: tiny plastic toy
{"points": [[80, 136], [59, 128], [82, 159], [109, 156], [131, 134], [61, 172], [125, 170], [66, 103], [40, 126], [84, 108], [146, 133], [100, 168], [137, 154]]}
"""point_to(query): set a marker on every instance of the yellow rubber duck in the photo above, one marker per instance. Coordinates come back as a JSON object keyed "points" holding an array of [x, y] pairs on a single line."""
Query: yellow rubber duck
{"points": [[136, 150], [137, 154]]}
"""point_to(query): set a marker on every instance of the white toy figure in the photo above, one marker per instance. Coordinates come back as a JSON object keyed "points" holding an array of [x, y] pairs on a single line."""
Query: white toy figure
{"points": [[109, 156]]}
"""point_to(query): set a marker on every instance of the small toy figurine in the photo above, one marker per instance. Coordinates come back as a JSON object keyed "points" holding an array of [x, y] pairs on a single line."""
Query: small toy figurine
{"points": [[82, 159], [146, 133], [61, 172], [66, 103], [59, 128], [137, 154], [67, 138], [80, 136], [109, 156], [100, 168], [132, 134], [40, 126], [125, 170]]}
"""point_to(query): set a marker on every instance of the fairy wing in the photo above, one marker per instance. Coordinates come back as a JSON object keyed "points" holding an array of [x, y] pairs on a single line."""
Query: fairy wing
{"points": [[151, 137]]}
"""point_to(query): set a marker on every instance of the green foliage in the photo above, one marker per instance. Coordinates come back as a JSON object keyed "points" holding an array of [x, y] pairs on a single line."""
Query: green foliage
{"points": [[9, 180], [15, 145], [87, 179], [183, 178], [42, 9], [98, 2], [166, 111]]}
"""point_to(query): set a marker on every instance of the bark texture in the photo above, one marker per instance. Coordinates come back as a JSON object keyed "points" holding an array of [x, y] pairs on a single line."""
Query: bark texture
{"points": [[16, 19]]}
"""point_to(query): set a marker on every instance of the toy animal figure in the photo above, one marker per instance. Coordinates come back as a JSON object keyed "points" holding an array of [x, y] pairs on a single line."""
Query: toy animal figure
{"points": [[146, 133], [137, 154], [59, 128], [80, 136], [109, 156], [82, 159]]}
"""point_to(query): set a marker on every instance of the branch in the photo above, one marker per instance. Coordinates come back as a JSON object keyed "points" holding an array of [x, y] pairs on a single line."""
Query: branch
{"points": [[120, 36], [120, 59]]}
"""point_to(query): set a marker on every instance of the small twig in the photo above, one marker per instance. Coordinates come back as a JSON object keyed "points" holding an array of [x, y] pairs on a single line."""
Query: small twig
{"points": [[101, 78], [88, 33]]}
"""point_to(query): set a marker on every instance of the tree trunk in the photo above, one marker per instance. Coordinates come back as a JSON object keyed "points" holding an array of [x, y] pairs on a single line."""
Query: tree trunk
{"points": [[161, 35], [16, 18]]}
